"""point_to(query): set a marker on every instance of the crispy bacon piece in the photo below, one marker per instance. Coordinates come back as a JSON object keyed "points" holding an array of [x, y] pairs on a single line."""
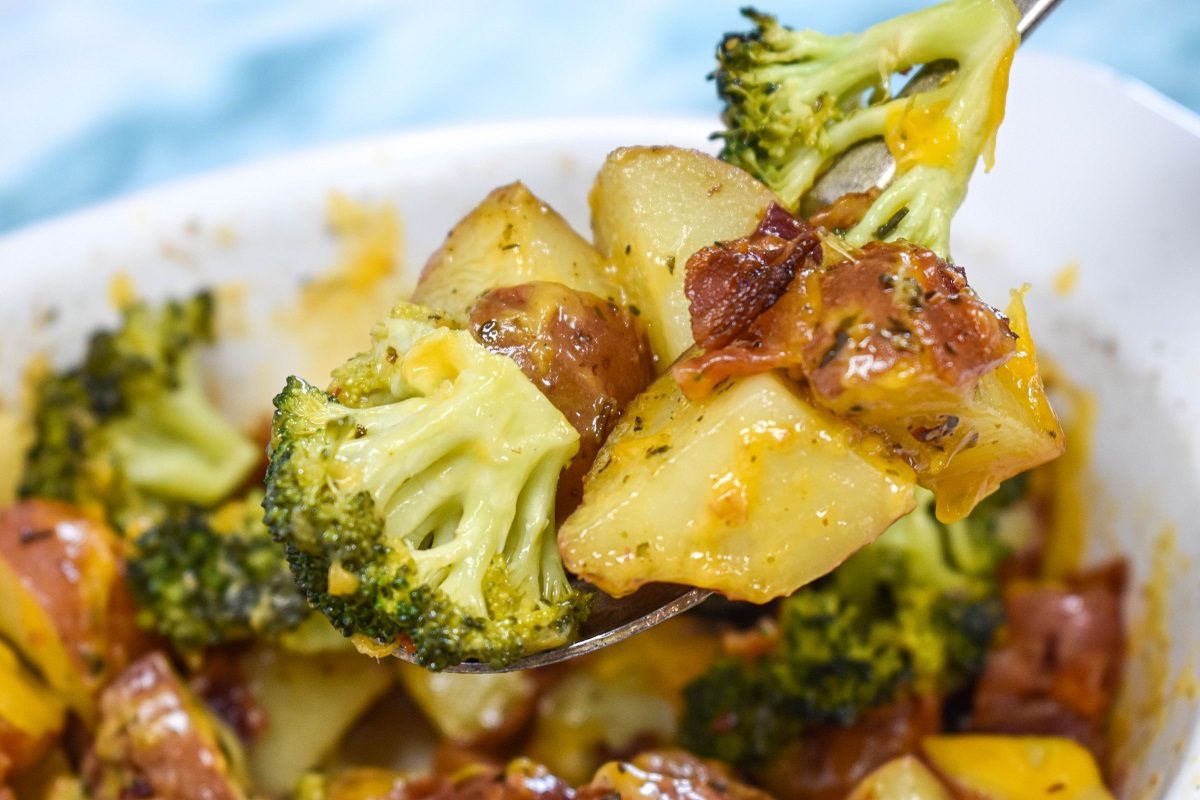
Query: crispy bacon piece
{"points": [[844, 213], [222, 684], [1055, 670], [730, 284], [589, 356], [895, 308], [892, 313]]}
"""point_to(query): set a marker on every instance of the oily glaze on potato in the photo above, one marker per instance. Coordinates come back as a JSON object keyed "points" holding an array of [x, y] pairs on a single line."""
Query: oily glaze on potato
{"points": [[751, 492], [652, 208], [510, 238]]}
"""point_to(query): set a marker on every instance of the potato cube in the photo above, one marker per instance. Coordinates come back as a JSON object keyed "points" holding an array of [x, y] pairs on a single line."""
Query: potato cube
{"points": [[752, 492]]}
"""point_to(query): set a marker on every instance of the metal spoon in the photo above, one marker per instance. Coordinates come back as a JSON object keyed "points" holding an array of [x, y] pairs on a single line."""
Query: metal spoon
{"points": [[611, 621], [868, 164]]}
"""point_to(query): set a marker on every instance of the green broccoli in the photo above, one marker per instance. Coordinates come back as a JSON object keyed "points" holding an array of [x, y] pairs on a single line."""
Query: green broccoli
{"points": [[416, 498], [912, 613], [130, 430], [203, 578], [796, 100]]}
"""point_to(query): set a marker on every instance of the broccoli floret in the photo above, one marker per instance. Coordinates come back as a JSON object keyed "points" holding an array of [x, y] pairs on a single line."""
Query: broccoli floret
{"points": [[796, 100], [202, 578], [912, 613], [416, 498], [130, 430]]}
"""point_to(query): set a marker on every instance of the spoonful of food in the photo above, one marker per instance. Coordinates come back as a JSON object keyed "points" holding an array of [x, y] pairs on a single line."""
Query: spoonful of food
{"points": [[867, 165]]}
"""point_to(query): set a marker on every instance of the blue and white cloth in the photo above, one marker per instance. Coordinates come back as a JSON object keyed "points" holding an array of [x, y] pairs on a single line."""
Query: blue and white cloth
{"points": [[101, 97]]}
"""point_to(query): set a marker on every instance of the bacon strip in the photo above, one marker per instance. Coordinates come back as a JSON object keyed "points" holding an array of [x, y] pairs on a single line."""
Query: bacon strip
{"points": [[891, 308], [730, 284]]}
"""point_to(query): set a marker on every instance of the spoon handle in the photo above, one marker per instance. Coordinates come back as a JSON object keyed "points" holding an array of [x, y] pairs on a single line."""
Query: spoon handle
{"points": [[869, 164], [611, 621]]}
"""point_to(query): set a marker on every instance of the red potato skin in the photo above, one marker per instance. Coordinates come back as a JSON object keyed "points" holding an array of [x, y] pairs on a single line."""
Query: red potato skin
{"points": [[222, 684], [148, 734], [55, 551], [827, 763], [588, 356], [1054, 671]]}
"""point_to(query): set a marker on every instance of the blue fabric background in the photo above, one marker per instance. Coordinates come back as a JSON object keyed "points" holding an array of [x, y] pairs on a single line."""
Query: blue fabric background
{"points": [[100, 97]]}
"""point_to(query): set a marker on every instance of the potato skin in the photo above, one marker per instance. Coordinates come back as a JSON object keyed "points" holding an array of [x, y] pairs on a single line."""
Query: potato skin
{"points": [[63, 600], [590, 357], [154, 738]]}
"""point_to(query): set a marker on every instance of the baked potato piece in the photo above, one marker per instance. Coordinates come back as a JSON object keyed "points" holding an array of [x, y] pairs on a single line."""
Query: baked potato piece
{"points": [[588, 356], [63, 601], [751, 491], [473, 710], [510, 238], [1005, 427], [31, 716], [155, 739], [309, 703], [903, 778], [979, 767], [928, 379], [620, 700], [652, 208]]}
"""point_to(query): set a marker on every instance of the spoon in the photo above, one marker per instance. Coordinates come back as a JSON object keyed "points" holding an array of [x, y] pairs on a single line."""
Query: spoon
{"points": [[611, 620], [869, 164]]}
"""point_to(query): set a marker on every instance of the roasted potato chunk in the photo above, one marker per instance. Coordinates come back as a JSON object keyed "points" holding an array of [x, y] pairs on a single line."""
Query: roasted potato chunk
{"points": [[63, 602], [652, 208], [1010, 767], [472, 710], [155, 739], [588, 356], [510, 238], [904, 778], [309, 702], [751, 491], [31, 716]]}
